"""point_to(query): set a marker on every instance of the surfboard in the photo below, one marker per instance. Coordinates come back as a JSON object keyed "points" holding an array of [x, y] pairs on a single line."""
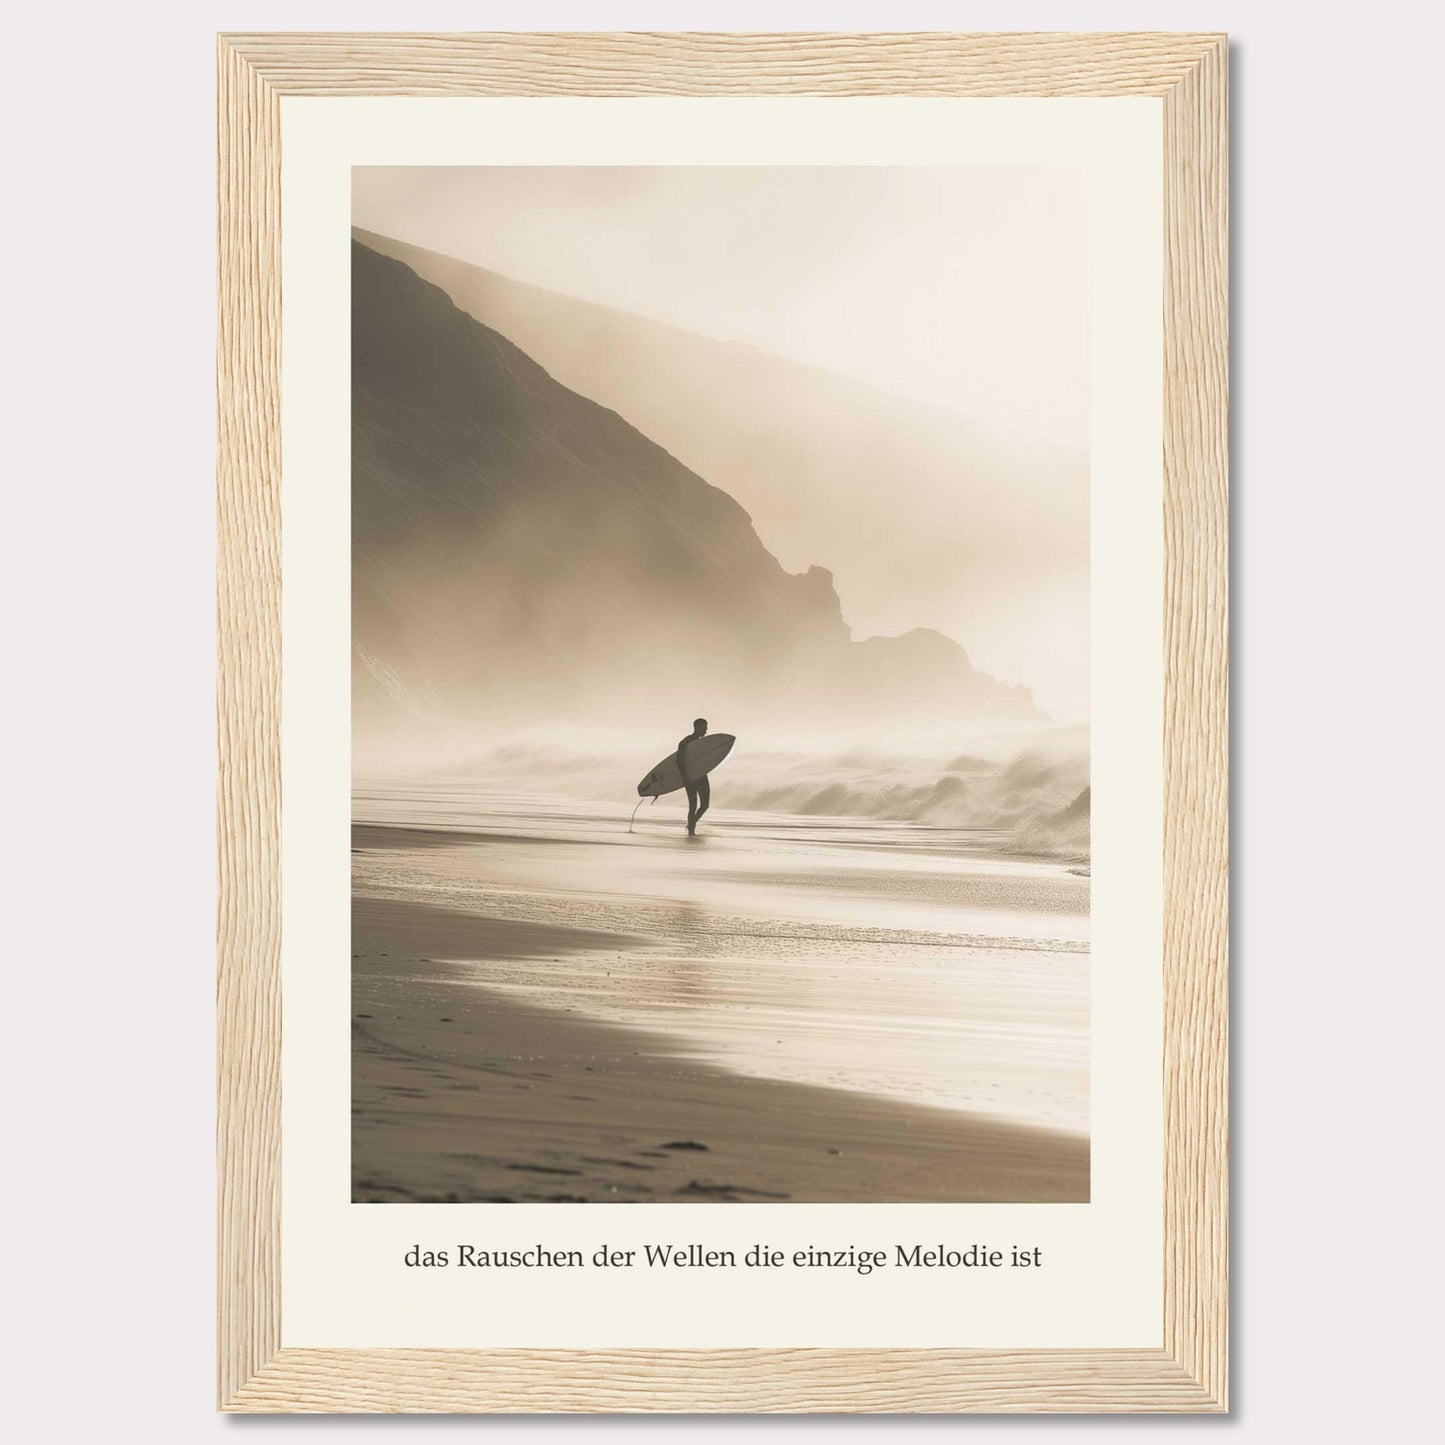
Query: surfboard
{"points": [[702, 755]]}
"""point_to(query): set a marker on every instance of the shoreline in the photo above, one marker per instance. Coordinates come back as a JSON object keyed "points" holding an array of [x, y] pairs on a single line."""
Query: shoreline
{"points": [[465, 1092]]}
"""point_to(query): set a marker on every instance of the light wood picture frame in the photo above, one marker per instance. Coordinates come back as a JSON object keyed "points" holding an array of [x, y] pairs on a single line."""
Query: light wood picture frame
{"points": [[1187, 73]]}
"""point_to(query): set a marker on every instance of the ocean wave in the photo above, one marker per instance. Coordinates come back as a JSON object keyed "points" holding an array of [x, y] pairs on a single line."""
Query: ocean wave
{"points": [[1031, 793]]}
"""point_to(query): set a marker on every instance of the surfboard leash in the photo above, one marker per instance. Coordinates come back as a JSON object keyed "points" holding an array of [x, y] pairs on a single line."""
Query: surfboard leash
{"points": [[640, 802]]}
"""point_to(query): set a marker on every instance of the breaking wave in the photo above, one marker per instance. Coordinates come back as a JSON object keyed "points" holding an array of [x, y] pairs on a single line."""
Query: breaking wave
{"points": [[1031, 793]]}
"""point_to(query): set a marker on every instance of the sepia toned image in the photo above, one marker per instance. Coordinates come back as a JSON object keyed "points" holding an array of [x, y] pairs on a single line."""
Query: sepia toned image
{"points": [[720, 684]]}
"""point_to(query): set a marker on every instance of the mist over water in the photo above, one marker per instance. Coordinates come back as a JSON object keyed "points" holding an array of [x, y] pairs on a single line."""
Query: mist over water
{"points": [[1025, 792]]}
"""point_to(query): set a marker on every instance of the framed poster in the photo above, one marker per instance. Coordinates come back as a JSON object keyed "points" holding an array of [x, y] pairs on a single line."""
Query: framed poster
{"points": [[723, 723]]}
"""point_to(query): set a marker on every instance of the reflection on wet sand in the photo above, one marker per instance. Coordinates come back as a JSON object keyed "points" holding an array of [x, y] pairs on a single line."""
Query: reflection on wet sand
{"points": [[548, 1007]]}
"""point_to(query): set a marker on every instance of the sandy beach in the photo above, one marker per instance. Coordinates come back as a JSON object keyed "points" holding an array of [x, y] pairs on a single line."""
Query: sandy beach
{"points": [[548, 1007]]}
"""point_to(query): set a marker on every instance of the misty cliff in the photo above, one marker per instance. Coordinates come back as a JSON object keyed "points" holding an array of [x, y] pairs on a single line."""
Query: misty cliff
{"points": [[521, 553], [994, 521]]}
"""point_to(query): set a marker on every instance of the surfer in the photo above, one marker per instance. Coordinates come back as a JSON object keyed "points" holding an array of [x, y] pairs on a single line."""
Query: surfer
{"points": [[698, 793], [687, 766]]}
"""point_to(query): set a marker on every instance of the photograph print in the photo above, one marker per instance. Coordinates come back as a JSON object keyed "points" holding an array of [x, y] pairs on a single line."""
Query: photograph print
{"points": [[720, 684]]}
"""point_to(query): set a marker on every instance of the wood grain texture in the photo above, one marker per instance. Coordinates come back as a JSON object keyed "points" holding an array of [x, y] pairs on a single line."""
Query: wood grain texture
{"points": [[1189, 1374], [1026, 63], [725, 1381], [1196, 721], [248, 1034]]}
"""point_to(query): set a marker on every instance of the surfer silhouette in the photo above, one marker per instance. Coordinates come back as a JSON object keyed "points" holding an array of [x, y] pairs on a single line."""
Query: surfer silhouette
{"points": [[699, 794], [687, 766]]}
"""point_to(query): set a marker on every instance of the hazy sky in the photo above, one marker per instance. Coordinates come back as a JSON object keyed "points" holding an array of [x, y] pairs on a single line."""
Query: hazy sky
{"points": [[964, 287]]}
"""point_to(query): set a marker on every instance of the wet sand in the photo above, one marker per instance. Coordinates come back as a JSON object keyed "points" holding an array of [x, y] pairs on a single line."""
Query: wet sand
{"points": [[548, 1008]]}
